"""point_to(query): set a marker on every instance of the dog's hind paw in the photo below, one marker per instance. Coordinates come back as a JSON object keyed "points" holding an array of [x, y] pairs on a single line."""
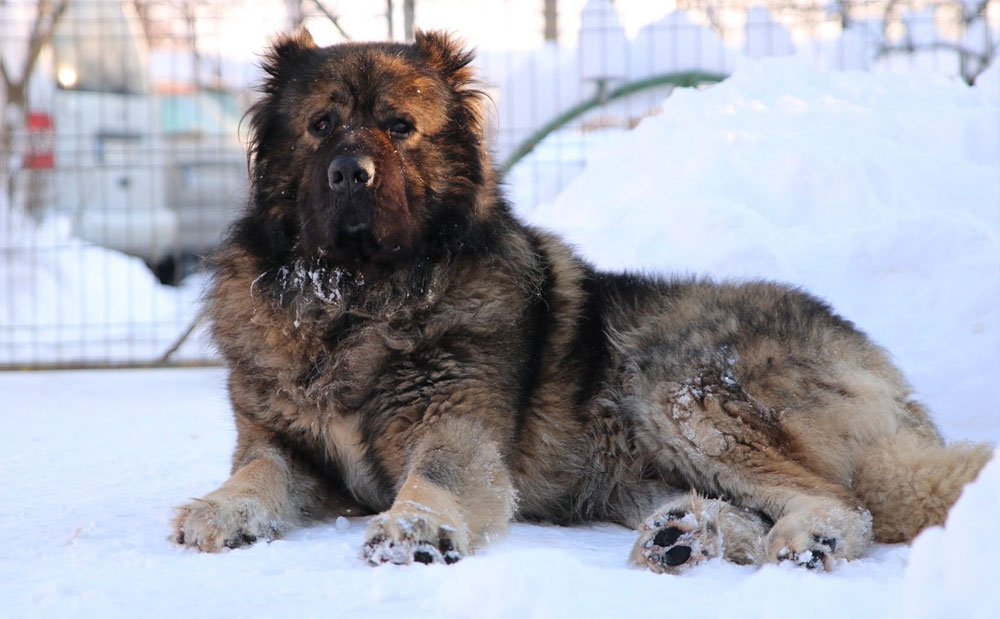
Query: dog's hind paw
{"points": [[818, 535], [814, 557], [674, 540], [403, 537]]}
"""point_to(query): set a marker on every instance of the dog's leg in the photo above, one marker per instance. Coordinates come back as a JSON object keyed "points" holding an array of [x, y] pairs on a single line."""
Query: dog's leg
{"points": [[688, 530], [254, 503], [456, 493], [711, 441], [815, 521], [267, 494]]}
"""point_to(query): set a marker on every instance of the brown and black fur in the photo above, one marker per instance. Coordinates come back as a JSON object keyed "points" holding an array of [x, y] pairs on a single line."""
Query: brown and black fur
{"points": [[400, 344]]}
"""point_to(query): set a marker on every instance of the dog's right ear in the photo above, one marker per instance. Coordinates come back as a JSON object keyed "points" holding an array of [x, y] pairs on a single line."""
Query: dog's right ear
{"points": [[286, 51]]}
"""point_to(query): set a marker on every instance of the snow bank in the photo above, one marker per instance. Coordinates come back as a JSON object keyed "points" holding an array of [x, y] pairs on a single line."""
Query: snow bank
{"points": [[879, 193], [65, 300], [951, 570]]}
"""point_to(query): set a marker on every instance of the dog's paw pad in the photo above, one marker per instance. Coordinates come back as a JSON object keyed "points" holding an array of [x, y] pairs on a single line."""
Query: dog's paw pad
{"points": [[817, 557], [809, 559], [240, 540], [676, 555], [667, 536], [422, 556], [227, 522], [675, 541], [402, 539]]}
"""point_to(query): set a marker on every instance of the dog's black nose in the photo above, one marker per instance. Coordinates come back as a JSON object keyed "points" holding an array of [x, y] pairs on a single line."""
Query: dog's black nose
{"points": [[347, 172]]}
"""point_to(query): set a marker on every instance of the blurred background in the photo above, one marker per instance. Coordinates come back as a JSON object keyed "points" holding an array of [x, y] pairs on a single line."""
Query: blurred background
{"points": [[122, 154]]}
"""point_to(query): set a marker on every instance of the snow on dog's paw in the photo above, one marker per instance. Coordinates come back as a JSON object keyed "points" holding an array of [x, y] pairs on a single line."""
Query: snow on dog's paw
{"points": [[819, 554], [819, 537], [404, 536], [675, 540], [214, 523]]}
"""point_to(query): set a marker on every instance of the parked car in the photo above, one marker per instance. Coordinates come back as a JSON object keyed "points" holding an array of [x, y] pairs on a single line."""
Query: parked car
{"points": [[206, 171], [107, 158], [154, 175]]}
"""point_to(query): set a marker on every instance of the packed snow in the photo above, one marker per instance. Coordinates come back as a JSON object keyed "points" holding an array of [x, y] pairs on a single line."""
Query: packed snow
{"points": [[94, 461], [879, 193]]}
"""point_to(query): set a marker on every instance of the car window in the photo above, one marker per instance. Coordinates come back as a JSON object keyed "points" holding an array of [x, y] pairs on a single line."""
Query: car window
{"points": [[202, 113], [97, 48]]}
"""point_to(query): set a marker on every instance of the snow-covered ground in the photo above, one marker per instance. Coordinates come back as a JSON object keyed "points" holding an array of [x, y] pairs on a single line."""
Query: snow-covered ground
{"points": [[879, 193], [93, 462]]}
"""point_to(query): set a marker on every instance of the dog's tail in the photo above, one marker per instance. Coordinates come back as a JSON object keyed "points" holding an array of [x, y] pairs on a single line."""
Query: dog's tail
{"points": [[910, 481]]}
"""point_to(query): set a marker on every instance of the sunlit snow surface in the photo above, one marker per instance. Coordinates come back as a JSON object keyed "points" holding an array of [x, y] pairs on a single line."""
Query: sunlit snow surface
{"points": [[879, 193], [94, 461]]}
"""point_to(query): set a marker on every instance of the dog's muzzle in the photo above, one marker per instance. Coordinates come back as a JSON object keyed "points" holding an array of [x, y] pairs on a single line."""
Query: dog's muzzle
{"points": [[350, 179]]}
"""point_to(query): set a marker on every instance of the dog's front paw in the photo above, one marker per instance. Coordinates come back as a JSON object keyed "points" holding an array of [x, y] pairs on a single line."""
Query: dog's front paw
{"points": [[223, 521], [403, 536]]}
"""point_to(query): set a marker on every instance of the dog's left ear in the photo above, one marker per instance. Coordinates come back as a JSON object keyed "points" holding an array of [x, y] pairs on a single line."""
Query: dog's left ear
{"points": [[446, 55]]}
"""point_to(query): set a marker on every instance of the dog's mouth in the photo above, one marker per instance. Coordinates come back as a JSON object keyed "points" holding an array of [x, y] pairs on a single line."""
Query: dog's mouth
{"points": [[355, 242], [348, 242], [354, 210]]}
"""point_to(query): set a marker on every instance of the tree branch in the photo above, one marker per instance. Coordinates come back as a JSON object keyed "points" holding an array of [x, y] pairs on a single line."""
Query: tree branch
{"points": [[3, 74], [985, 56], [979, 11], [41, 33]]}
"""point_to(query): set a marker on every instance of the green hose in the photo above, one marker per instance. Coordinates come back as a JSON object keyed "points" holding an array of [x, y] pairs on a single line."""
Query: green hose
{"points": [[687, 79]]}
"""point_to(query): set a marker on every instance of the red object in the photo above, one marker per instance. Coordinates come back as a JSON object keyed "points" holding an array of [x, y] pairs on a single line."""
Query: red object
{"points": [[38, 155]]}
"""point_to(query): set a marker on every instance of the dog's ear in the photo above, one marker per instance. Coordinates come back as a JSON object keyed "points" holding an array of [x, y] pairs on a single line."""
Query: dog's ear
{"points": [[447, 56], [290, 46], [286, 51]]}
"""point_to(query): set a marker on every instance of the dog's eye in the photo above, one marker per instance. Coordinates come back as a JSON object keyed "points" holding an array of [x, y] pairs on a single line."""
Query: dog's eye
{"points": [[322, 126], [400, 128]]}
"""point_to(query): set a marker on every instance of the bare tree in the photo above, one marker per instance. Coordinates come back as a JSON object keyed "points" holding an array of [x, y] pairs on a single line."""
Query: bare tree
{"points": [[296, 15], [388, 19], [409, 11], [15, 79], [972, 61], [551, 13], [166, 23], [846, 6]]}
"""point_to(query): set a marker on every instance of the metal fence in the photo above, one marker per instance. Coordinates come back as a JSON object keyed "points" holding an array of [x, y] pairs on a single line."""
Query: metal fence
{"points": [[122, 160]]}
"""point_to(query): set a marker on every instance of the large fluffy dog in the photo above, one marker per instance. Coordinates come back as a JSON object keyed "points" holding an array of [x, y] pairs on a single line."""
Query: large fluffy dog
{"points": [[400, 344]]}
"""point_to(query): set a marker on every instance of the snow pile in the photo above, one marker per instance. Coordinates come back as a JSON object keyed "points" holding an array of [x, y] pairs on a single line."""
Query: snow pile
{"points": [[544, 84], [953, 565], [880, 194], [65, 300]]}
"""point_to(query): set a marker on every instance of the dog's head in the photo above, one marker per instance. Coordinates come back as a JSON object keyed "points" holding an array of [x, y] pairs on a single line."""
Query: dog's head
{"points": [[364, 154]]}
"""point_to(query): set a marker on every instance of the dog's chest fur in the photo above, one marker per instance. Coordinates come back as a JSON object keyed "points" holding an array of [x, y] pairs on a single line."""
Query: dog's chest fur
{"points": [[351, 387]]}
